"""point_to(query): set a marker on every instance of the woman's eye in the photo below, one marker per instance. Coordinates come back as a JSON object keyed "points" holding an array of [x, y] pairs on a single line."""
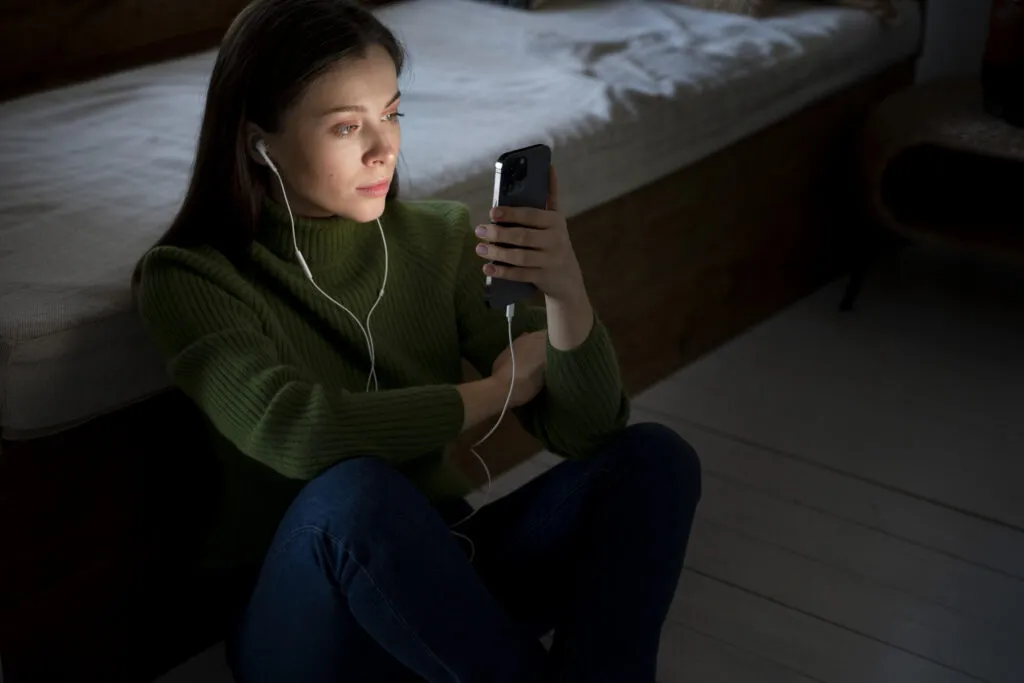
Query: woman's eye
{"points": [[345, 130], [393, 116]]}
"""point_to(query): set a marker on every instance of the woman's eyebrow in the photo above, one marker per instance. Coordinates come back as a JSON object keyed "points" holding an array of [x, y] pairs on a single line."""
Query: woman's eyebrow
{"points": [[358, 107]]}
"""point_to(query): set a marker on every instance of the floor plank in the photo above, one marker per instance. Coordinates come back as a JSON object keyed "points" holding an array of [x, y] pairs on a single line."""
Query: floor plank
{"points": [[688, 656], [986, 596], [820, 650], [919, 389], [853, 602], [802, 481]]}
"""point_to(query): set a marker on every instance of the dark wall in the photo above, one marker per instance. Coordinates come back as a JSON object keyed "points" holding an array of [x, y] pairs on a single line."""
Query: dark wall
{"points": [[46, 43]]}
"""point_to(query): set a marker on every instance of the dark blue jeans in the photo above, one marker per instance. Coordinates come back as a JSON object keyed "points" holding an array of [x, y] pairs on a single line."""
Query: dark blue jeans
{"points": [[365, 582]]}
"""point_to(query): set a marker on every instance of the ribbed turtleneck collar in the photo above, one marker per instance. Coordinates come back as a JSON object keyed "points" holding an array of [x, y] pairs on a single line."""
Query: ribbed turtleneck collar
{"points": [[321, 240]]}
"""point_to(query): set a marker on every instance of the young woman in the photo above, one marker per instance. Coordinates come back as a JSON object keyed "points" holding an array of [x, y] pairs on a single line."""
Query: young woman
{"points": [[332, 398]]}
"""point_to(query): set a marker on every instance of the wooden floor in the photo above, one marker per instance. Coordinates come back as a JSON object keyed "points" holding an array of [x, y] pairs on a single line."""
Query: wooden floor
{"points": [[863, 514]]}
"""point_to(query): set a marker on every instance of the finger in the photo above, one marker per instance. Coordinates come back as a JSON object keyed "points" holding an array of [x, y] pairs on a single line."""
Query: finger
{"points": [[529, 336], [552, 190], [514, 273], [530, 258], [524, 238], [524, 215]]}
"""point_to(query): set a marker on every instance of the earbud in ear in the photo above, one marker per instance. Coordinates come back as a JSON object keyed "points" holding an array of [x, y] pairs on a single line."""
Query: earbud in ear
{"points": [[261, 148]]}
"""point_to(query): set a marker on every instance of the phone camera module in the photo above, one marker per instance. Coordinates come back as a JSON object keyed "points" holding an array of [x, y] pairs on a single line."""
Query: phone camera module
{"points": [[519, 169], [514, 175]]}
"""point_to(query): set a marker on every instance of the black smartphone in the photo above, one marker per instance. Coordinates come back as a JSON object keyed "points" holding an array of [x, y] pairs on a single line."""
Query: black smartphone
{"points": [[520, 179]]}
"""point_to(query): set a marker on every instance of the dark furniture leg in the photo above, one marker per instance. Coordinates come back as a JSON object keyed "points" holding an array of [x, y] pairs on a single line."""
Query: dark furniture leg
{"points": [[857, 275], [875, 245], [867, 252]]}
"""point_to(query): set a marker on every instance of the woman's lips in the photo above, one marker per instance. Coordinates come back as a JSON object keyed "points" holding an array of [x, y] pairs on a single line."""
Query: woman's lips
{"points": [[376, 190]]}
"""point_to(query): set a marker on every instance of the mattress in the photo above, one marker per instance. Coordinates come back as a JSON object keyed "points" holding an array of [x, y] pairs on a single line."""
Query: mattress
{"points": [[625, 92]]}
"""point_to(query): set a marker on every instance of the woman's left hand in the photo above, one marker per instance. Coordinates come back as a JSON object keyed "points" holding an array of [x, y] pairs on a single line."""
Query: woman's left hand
{"points": [[540, 253]]}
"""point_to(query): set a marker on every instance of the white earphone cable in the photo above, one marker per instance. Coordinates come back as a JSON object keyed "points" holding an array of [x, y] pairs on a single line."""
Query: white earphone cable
{"points": [[364, 329], [371, 347], [510, 312]]}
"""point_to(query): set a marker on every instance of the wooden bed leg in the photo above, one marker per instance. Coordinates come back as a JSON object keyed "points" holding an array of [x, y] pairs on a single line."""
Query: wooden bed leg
{"points": [[855, 283], [867, 254], [874, 246]]}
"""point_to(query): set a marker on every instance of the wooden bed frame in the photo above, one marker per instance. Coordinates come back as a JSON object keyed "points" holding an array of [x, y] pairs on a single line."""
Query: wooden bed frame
{"points": [[97, 522]]}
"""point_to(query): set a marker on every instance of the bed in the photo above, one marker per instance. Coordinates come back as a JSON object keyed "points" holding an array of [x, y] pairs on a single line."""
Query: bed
{"points": [[700, 159], [91, 174]]}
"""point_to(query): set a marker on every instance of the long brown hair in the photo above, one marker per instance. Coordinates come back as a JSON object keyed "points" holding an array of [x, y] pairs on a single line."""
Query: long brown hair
{"points": [[269, 56]]}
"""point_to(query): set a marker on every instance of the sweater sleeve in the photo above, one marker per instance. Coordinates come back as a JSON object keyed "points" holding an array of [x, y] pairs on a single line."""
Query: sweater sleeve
{"points": [[583, 401], [219, 356]]}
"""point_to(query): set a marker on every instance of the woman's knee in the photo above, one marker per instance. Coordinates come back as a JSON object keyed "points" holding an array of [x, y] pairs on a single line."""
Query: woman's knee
{"points": [[665, 455], [356, 493]]}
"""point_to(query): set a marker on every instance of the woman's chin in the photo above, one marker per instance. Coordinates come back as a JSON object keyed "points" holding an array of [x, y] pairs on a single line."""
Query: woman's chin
{"points": [[365, 210]]}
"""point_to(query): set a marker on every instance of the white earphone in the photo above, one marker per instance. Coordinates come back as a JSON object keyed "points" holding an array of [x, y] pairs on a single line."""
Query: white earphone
{"points": [[261, 148]]}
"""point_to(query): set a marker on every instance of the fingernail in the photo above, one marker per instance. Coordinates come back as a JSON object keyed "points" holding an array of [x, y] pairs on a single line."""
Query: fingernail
{"points": [[497, 213], [480, 231], [481, 248]]}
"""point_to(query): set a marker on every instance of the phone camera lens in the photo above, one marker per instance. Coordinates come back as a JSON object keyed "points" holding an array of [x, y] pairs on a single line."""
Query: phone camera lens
{"points": [[519, 170]]}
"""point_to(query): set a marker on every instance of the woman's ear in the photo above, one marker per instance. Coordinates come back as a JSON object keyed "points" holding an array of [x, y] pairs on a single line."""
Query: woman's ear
{"points": [[256, 144]]}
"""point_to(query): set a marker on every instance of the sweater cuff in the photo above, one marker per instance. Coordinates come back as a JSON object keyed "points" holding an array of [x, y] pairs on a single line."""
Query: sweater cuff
{"points": [[588, 374], [415, 420]]}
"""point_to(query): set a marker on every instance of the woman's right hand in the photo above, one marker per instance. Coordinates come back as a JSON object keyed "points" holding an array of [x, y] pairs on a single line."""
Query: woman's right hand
{"points": [[531, 363]]}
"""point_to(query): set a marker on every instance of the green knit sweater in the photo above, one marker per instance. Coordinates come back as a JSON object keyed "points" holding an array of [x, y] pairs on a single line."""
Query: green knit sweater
{"points": [[280, 372]]}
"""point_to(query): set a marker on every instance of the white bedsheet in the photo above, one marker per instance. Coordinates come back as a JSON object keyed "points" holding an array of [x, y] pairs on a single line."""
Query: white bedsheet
{"points": [[625, 91]]}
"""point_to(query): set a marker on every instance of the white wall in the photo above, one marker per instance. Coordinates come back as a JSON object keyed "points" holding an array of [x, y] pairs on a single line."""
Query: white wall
{"points": [[954, 40]]}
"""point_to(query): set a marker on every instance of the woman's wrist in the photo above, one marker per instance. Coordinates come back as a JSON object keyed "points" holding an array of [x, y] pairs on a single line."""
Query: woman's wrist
{"points": [[569, 323], [481, 400]]}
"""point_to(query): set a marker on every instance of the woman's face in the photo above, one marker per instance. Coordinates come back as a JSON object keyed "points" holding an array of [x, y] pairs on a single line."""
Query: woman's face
{"points": [[338, 145]]}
